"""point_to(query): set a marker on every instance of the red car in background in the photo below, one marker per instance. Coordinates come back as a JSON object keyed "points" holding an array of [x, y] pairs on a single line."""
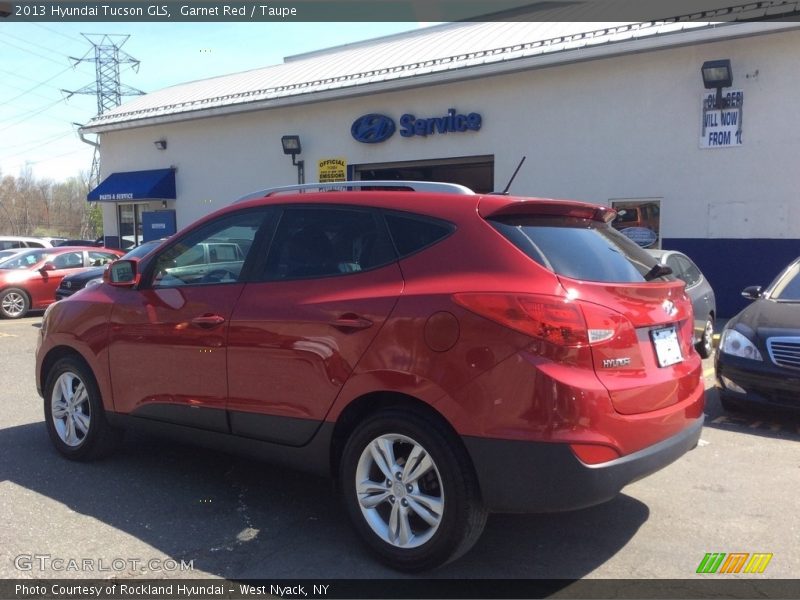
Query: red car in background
{"points": [[28, 280], [443, 354]]}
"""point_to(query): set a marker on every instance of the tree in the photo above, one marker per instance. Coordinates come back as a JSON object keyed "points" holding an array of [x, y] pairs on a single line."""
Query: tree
{"points": [[30, 206]]}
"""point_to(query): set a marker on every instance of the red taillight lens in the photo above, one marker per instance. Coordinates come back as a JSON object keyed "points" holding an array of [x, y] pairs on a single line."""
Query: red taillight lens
{"points": [[550, 318], [558, 320]]}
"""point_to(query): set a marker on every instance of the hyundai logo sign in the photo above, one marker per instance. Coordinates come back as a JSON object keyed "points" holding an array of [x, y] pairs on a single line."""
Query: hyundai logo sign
{"points": [[372, 128]]}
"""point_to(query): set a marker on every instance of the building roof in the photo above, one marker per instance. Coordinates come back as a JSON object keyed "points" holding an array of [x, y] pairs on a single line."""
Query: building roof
{"points": [[441, 53]]}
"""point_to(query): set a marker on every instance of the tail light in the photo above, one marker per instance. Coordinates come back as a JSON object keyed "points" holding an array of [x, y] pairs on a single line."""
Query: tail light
{"points": [[560, 321]]}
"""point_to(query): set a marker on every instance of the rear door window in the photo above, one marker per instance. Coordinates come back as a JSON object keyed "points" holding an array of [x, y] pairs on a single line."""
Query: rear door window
{"points": [[327, 241], [579, 248]]}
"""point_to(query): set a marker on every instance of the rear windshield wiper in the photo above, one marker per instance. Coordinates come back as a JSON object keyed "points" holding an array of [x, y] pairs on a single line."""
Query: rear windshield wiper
{"points": [[657, 271]]}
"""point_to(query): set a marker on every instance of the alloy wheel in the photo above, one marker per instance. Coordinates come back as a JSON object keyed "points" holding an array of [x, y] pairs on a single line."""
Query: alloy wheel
{"points": [[400, 491], [70, 409], [13, 304]]}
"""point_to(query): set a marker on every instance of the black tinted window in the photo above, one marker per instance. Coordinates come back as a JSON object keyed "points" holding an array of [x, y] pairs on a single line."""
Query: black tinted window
{"points": [[788, 286], [411, 233], [320, 242], [578, 248]]}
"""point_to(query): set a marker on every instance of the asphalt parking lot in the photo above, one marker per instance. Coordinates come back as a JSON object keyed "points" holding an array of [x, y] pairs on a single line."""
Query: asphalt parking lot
{"points": [[158, 505]]}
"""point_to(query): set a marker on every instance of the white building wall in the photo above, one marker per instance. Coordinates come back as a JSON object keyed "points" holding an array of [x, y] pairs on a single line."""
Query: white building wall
{"points": [[627, 126], [622, 127]]}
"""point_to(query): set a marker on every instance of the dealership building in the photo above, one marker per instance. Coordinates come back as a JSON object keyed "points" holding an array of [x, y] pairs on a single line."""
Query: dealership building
{"points": [[700, 160]]}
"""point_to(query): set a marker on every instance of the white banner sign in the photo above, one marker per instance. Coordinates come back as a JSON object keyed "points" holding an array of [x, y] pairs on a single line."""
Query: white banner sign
{"points": [[722, 128]]}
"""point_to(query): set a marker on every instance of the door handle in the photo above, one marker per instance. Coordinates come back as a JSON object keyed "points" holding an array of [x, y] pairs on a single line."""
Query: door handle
{"points": [[351, 321], [208, 321]]}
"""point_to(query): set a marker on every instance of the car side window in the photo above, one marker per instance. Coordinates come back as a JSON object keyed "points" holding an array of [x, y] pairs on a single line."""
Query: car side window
{"points": [[693, 275], [687, 272], [68, 260], [412, 233], [99, 259], [196, 259], [328, 241], [677, 267]]}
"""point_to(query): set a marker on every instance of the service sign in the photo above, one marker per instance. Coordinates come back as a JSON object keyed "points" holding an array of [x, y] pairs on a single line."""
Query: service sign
{"points": [[722, 128], [332, 169]]}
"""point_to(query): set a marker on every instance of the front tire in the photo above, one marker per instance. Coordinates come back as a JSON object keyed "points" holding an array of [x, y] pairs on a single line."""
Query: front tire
{"points": [[410, 490], [74, 414], [733, 406], [14, 303]]}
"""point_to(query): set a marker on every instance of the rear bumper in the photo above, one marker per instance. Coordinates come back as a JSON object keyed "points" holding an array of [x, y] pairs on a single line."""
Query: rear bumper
{"points": [[528, 477]]}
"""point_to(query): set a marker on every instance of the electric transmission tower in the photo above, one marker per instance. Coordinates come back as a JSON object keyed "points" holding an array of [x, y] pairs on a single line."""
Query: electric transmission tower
{"points": [[107, 56]]}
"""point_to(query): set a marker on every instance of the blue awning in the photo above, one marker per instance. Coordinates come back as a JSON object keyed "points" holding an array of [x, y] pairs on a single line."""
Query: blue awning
{"points": [[135, 185]]}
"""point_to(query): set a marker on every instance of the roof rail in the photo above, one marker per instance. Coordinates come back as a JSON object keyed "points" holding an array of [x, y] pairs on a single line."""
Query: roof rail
{"points": [[416, 186]]}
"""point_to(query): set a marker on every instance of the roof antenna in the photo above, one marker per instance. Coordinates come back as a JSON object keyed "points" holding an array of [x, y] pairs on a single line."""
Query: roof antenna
{"points": [[510, 181]]}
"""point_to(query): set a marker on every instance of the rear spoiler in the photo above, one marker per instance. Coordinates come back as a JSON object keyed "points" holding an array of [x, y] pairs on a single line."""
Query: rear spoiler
{"points": [[500, 206]]}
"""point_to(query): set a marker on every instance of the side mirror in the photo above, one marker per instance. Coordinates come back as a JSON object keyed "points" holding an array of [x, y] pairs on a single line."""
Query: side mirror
{"points": [[752, 292], [48, 266], [122, 273]]}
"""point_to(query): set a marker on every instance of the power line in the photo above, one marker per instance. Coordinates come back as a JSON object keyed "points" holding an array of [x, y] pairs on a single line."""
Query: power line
{"points": [[36, 111], [38, 144], [45, 48], [42, 56], [38, 85], [51, 30], [16, 87]]}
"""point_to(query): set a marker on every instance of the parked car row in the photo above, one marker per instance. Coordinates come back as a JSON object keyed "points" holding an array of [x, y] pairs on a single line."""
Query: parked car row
{"points": [[29, 278], [92, 276]]}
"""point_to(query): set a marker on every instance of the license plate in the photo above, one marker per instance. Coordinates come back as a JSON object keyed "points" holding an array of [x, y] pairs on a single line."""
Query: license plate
{"points": [[668, 350]]}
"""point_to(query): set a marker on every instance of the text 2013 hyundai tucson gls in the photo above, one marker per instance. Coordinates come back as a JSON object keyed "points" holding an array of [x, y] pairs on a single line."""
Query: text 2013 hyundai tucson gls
{"points": [[442, 354]]}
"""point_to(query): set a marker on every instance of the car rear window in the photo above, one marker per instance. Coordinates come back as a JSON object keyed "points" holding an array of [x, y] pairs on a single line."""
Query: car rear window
{"points": [[413, 233], [578, 248]]}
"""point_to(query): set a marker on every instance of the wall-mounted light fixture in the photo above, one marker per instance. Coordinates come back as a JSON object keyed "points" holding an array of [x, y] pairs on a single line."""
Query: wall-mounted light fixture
{"points": [[161, 144], [717, 74], [291, 145]]}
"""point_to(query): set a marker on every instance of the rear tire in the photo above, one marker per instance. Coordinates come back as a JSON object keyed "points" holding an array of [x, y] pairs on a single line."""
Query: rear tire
{"points": [[14, 303], [74, 413], [410, 490], [705, 347]]}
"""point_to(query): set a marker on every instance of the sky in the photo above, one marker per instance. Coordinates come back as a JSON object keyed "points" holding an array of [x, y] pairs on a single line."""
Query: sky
{"points": [[37, 118]]}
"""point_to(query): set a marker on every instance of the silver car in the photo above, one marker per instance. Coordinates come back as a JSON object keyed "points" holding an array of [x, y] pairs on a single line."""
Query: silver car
{"points": [[699, 290]]}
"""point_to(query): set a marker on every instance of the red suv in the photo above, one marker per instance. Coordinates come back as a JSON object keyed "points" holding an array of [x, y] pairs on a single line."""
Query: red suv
{"points": [[442, 354]]}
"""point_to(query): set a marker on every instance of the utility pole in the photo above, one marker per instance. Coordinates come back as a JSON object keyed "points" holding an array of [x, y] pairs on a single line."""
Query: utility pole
{"points": [[107, 55]]}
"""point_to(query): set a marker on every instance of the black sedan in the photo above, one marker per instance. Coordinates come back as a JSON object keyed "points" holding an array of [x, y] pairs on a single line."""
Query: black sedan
{"points": [[88, 277], [758, 362]]}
